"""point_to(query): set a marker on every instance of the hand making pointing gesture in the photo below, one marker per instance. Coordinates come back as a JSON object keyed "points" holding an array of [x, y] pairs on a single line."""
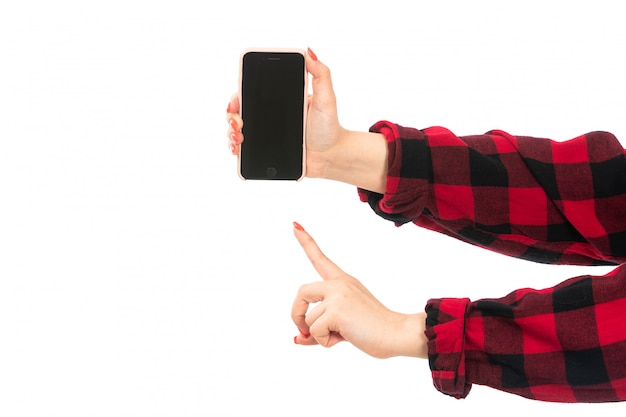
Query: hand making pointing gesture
{"points": [[346, 310]]}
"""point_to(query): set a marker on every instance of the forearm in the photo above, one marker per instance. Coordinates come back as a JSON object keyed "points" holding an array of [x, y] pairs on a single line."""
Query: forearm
{"points": [[532, 198], [359, 159], [563, 344]]}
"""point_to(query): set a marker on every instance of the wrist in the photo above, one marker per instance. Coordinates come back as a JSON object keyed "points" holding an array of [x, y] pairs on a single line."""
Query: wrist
{"points": [[358, 158], [409, 338]]}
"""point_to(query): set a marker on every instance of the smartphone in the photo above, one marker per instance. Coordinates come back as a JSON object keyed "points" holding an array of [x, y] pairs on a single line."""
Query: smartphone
{"points": [[273, 107]]}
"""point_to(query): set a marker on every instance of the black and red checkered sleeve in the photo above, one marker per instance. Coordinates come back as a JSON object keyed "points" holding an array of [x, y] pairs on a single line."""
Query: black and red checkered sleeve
{"points": [[535, 199], [562, 344], [532, 198]]}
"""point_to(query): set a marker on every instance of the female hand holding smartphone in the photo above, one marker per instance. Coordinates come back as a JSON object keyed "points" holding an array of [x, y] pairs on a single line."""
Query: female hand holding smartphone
{"points": [[355, 157], [319, 120]]}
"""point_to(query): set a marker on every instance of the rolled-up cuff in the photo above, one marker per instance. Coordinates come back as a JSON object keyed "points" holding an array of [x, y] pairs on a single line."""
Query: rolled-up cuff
{"points": [[445, 330], [408, 174]]}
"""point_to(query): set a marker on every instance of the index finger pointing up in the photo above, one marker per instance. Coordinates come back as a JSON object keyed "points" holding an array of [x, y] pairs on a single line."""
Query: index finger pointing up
{"points": [[324, 266]]}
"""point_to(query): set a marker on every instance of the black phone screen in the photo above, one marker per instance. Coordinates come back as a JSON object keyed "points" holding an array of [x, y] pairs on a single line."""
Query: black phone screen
{"points": [[272, 107]]}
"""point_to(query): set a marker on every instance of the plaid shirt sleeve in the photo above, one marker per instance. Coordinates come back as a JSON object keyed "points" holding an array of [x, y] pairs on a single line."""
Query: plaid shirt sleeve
{"points": [[535, 199]]}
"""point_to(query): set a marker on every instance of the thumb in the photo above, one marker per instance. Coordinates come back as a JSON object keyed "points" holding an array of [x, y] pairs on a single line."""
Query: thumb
{"points": [[321, 80], [324, 266]]}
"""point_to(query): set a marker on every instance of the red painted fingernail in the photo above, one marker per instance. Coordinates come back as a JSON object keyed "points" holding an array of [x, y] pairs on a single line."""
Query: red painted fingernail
{"points": [[236, 137], [305, 335], [233, 124], [228, 109], [312, 54], [299, 227], [295, 340]]}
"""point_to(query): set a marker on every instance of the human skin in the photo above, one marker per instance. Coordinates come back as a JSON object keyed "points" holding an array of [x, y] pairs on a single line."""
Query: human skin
{"points": [[344, 309], [333, 152]]}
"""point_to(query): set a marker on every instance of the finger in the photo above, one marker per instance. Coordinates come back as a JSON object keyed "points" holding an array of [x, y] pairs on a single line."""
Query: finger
{"points": [[321, 80], [322, 329], [234, 142], [307, 294], [306, 341], [314, 314], [233, 105], [323, 334], [235, 125], [324, 266], [235, 122], [233, 148], [234, 136]]}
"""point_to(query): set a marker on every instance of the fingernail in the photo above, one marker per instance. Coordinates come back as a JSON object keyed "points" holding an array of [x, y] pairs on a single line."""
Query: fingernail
{"points": [[228, 109], [305, 335], [312, 54], [236, 137], [295, 340], [233, 124], [300, 228]]}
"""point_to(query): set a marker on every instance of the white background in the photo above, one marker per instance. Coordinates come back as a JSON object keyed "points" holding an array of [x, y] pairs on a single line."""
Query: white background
{"points": [[139, 276]]}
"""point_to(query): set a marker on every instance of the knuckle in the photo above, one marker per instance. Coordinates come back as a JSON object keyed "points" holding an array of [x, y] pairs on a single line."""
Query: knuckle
{"points": [[302, 289]]}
